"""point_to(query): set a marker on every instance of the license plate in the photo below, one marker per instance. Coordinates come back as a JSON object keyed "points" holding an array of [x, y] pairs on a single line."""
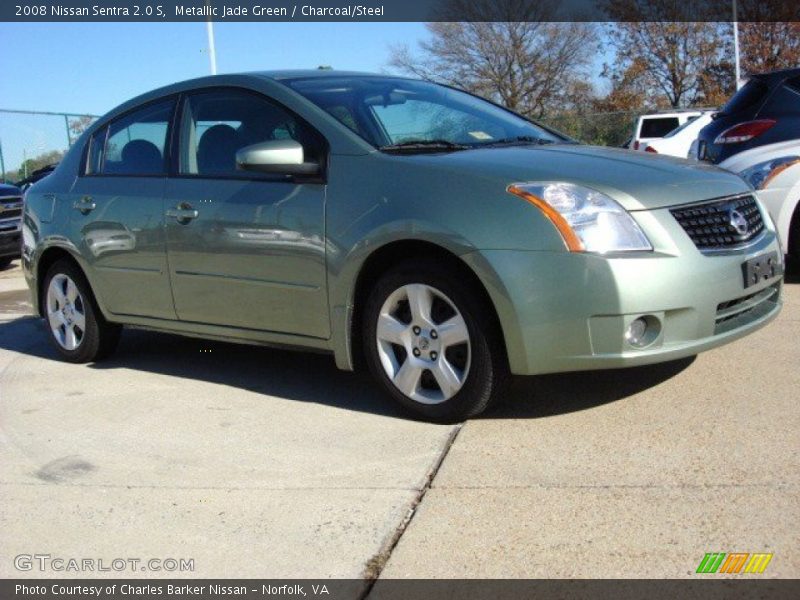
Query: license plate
{"points": [[760, 268]]}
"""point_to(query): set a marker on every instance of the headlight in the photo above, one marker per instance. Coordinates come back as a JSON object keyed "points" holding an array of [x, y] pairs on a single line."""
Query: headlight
{"points": [[761, 174], [588, 220]]}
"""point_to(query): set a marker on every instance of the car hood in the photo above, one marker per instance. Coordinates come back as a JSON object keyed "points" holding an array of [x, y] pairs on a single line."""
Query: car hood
{"points": [[742, 160], [637, 180], [9, 190]]}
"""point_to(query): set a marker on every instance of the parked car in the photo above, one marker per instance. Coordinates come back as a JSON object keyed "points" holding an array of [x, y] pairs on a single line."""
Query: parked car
{"points": [[10, 223], [649, 128], [679, 141], [774, 171], [766, 110], [445, 241], [35, 176]]}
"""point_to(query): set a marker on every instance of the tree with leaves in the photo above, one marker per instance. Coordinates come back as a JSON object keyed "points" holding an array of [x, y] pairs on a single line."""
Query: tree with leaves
{"points": [[769, 46], [673, 60]]}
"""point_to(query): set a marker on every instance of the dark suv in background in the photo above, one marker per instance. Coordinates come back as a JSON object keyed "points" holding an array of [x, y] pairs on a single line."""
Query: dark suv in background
{"points": [[10, 223], [766, 110]]}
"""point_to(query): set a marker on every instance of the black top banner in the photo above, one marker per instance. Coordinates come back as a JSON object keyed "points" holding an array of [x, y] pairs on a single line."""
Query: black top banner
{"points": [[400, 10]]}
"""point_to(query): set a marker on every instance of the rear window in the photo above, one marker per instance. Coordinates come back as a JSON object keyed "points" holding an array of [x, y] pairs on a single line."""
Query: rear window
{"points": [[784, 101], [657, 127], [753, 92]]}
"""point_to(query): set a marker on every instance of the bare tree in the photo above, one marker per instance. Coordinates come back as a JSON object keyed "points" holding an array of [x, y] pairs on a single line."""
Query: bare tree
{"points": [[675, 56], [504, 54]]}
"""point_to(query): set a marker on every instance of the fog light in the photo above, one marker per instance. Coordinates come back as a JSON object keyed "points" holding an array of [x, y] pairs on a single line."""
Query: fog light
{"points": [[643, 331], [637, 330]]}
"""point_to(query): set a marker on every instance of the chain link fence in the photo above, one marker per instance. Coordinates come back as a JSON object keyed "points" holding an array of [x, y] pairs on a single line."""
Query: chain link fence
{"points": [[30, 140], [599, 129]]}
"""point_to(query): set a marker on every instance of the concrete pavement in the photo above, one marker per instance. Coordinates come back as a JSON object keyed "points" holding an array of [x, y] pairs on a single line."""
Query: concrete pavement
{"points": [[261, 463], [256, 463], [630, 473]]}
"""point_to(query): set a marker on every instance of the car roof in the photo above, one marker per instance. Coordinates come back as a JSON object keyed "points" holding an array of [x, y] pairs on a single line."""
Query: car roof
{"points": [[283, 75], [674, 112], [776, 76]]}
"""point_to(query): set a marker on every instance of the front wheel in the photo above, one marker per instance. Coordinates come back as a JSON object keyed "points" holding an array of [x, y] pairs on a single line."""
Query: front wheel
{"points": [[431, 341], [77, 328]]}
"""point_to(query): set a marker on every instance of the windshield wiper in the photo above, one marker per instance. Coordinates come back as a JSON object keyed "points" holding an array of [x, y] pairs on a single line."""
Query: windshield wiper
{"points": [[412, 146], [520, 139]]}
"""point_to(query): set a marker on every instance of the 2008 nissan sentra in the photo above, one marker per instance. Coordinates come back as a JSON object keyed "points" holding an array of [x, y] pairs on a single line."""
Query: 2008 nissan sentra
{"points": [[444, 241]]}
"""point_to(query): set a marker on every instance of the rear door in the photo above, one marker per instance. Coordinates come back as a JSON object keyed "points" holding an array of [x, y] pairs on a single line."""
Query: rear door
{"points": [[245, 249], [118, 212]]}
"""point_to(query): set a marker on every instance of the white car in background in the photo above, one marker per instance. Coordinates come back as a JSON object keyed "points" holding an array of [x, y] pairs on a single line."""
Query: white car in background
{"points": [[652, 127], [774, 172], [678, 142]]}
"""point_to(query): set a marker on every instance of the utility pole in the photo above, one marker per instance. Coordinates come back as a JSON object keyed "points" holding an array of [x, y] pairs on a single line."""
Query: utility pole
{"points": [[212, 52], [736, 46], [2, 164]]}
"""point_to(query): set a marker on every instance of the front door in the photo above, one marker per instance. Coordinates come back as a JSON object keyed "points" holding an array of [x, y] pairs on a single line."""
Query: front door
{"points": [[117, 217], [245, 250]]}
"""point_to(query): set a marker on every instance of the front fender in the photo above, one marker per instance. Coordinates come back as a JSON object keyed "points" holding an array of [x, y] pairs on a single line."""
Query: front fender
{"points": [[344, 268]]}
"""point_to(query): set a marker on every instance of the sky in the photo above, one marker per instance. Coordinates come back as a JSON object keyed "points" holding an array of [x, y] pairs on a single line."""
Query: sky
{"points": [[93, 67]]}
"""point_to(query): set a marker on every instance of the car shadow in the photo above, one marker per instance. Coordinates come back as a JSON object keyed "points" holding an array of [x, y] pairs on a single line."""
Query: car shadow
{"points": [[311, 377], [562, 393]]}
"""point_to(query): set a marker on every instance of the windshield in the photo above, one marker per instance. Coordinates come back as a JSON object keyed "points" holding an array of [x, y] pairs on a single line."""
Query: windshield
{"points": [[391, 113]]}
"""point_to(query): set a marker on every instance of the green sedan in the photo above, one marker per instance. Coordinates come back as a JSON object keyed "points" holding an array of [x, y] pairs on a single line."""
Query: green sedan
{"points": [[440, 240]]}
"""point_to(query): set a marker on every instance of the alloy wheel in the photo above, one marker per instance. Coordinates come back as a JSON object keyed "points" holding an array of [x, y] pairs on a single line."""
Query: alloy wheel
{"points": [[66, 312], [423, 343]]}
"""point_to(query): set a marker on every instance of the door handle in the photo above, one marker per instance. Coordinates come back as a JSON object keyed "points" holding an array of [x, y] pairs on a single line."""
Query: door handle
{"points": [[85, 205], [183, 213]]}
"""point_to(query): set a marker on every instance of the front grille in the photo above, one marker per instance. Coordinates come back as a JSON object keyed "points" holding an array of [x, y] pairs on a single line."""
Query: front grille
{"points": [[10, 213], [713, 226], [10, 207], [744, 310]]}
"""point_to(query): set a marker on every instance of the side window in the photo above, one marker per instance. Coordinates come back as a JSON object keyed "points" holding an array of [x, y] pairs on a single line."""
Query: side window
{"points": [[94, 159], [136, 143], [216, 124], [658, 127]]}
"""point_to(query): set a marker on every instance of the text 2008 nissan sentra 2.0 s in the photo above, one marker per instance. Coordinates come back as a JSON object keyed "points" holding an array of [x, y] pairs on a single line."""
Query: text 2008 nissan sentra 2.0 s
{"points": [[441, 239]]}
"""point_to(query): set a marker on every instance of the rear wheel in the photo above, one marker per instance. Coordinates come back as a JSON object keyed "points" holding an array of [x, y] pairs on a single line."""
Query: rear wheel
{"points": [[77, 329], [431, 341]]}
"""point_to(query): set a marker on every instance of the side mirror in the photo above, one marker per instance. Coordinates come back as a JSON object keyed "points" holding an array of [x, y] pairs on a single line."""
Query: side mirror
{"points": [[285, 157]]}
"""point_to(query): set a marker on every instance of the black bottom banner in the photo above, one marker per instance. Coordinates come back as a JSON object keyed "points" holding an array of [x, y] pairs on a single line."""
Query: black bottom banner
{"points": [[395, 589]]}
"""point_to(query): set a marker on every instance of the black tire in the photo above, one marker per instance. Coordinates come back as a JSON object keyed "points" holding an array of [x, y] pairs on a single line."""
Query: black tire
{"points": [[100, 338], [487, 375], [793, 244], [4, 262]]}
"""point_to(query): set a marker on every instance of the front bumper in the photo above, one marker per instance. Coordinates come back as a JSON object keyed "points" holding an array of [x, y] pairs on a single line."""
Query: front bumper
{"points": [[570, 311], [10, 242]]}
